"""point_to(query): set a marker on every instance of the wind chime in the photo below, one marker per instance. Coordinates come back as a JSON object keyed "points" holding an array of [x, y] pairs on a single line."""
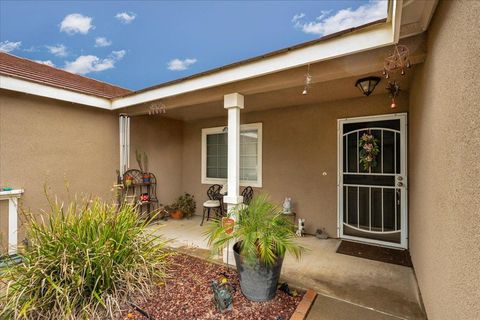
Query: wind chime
{"points": [[307, 81], [393, 89], [157, 108], [398, 60]]}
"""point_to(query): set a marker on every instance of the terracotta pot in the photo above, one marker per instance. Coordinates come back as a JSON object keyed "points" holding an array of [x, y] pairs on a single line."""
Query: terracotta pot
{"points": [[177, 215]]}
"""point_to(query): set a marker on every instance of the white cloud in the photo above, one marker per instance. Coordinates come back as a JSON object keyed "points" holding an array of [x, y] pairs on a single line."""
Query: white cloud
{"points": [[91, 63], [7, 46], [119, 54], [179, 65], [59, 50], [126, 17], [102, 42], [47, 62], [297, 17], [76, 23], [328, 23]]}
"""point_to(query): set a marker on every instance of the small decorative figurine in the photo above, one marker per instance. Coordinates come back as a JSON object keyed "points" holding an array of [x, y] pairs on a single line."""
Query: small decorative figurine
{"points": [[222, 296], [301, 227], [287, 206]]}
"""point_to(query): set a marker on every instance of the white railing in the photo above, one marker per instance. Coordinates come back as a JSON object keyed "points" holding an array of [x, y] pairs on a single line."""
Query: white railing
{"points": [[12, 197]]}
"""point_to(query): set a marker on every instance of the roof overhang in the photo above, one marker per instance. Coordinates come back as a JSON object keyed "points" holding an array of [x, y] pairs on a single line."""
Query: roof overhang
{"points": [[355, 41], [38, 89]]}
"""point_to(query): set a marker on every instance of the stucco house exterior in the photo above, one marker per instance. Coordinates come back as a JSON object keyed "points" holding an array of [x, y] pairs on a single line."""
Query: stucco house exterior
{"points": [[249, 124]]}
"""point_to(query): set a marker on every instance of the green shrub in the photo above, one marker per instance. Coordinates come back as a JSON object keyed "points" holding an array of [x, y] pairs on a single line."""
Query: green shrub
{"points": [[82, 262], [186, 203]]}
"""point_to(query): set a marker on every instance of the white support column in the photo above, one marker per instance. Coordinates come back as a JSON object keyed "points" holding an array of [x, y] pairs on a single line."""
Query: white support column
{"points": [[12, 197], [233, 102]]}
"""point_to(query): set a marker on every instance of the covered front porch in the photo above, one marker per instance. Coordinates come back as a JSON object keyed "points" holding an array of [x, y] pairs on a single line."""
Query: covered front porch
{"points": [[200, 137], [348, 287], [291, 119]]}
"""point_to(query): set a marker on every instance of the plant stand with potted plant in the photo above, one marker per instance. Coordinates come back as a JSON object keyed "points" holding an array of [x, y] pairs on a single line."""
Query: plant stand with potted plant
{"points": [[262, 237]]}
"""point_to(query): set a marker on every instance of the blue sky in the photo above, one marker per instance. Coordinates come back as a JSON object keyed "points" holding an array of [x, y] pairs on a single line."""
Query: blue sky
{"points": [[136, 44]]}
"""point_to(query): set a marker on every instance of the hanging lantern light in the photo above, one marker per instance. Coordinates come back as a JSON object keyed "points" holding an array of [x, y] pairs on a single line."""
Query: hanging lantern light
{"points": [[367, 85]]}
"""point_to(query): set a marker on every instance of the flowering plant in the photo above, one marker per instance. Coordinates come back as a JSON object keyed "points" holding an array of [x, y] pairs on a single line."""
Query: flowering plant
{"points": [[369, 150]]}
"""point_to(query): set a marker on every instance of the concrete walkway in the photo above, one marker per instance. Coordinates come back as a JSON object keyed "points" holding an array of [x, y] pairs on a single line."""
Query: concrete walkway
{"points": [[348, 287]]}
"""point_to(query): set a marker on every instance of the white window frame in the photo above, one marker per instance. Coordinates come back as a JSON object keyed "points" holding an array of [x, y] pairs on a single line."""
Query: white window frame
{"points": [[250, 126]]}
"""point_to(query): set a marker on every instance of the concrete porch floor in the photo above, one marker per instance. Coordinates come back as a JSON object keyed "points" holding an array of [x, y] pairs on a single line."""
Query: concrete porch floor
{"points": [[348, 287]]}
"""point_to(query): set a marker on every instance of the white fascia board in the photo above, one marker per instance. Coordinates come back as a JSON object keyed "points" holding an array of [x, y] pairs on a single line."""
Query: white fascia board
{"points": [[33, 88], [374, 37], [396, 14]]}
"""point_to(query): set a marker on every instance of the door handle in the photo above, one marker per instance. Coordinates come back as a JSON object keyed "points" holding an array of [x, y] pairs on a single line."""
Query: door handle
{"points": [[400, 184]]}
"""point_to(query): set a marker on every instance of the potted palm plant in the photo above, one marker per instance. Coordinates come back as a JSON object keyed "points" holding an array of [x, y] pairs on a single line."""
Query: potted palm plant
{"points": [[262, 235], [143, 167]]}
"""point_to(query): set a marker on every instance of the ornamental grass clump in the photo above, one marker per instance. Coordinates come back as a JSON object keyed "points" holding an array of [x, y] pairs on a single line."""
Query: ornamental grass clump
{"points": [[83, 261]]}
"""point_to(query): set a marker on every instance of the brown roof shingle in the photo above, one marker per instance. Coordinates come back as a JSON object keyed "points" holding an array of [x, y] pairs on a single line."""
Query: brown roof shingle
{"points": [[22, 68]]}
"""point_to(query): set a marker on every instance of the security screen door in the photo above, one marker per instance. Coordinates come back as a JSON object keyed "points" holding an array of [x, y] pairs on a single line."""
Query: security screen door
{"points": [[372, 202]]}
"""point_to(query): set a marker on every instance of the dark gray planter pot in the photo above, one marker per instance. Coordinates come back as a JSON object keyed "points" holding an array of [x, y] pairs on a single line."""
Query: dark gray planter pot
{"points": [[258, 282]]}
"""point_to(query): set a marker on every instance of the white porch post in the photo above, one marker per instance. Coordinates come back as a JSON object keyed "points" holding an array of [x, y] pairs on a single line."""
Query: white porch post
{"points": [[233, 102]]}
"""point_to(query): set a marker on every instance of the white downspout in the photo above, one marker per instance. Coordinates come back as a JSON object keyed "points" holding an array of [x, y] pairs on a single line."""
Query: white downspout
{"points": [[124, 134]]}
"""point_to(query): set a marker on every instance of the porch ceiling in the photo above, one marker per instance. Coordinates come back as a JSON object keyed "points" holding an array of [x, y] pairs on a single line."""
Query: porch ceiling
{"points": [[332, 80]]}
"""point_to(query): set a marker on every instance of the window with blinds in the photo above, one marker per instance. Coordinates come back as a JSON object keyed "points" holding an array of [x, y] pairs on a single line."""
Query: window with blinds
{"points": [[215, 155]]}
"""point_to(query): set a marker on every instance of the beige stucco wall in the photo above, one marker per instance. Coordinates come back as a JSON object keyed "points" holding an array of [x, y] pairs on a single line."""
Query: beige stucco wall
{"points": [[299, 144], [161, 140], [444, 167], [48, 141]]}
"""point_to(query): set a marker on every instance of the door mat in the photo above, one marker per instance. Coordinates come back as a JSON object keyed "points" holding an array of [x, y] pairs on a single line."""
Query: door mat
{"points": [[361, 250]]}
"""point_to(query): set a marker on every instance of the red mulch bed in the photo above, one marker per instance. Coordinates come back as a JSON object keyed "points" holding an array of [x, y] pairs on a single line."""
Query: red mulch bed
{"points": [[187, 295]]}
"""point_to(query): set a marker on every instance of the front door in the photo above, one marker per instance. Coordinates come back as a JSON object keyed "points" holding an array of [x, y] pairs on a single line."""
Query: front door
{"points": [[372, 180]]}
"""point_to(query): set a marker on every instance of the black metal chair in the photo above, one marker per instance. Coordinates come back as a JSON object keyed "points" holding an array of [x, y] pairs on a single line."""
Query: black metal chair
{"points": [[247, 195], [214, 202]]}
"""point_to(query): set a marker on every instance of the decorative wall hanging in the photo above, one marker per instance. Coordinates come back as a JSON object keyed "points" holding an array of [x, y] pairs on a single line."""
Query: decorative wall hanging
{"points": [[398, 60], [308, 80], [157, 108], [393, 89], [369, 150]]}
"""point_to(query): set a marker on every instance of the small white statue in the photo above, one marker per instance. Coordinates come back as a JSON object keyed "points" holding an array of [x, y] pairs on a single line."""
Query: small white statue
{"points": [[287, 206], [301, 227]]}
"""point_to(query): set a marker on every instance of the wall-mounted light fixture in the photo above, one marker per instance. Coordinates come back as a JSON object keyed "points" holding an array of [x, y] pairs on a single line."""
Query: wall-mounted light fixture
{"points": [[367, 85]]}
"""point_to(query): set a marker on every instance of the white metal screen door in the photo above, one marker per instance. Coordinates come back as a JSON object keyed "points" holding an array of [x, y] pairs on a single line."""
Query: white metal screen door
{"points": [[372, 202]]}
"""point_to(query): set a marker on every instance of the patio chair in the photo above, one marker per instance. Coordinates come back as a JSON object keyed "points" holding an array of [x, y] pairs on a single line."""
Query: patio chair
{"points": [[247, 195], [214, 202]]}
